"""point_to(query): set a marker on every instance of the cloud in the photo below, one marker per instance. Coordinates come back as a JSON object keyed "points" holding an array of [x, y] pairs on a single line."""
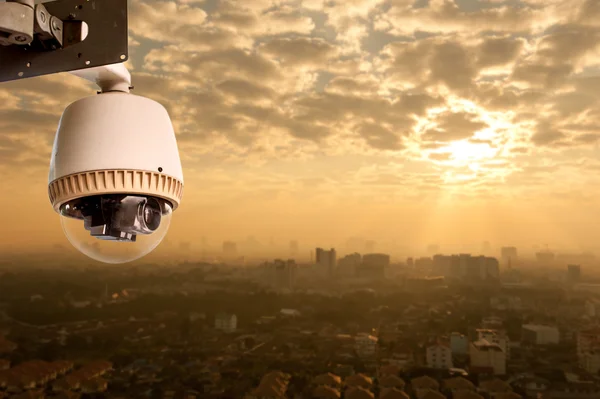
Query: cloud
{"points": [[303, 51], [166, 21], [244, 90], [547, 135], [451, 65], [498, 51], [380, 137], [254, 83], [588, 138], [454, 126], [445, 16], [257, 20]]}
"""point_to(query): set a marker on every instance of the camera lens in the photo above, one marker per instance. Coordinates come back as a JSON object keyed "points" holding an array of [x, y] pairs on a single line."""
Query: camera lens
{"points": [[151, 214]]}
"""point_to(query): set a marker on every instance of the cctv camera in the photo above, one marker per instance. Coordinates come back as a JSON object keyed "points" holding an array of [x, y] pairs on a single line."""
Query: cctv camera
{"points": [[115, 175]]}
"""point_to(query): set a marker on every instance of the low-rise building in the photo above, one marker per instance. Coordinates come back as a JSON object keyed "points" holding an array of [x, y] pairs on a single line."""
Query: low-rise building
{"points": [[496, 337], [488, 356], [459, 344], [226, 322], [538, 334], [439, 356]]}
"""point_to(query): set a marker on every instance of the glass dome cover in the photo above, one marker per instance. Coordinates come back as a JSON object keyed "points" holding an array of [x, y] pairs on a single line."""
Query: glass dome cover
{"points": [[116, 228]]}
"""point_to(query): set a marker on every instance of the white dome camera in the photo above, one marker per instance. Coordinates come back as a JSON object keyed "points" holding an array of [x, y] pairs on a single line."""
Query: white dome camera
{"points": [[115, 173]]}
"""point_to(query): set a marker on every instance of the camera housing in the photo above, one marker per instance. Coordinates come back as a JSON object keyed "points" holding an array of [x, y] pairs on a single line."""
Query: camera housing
{"points": [[117, 217], [115, 175]]}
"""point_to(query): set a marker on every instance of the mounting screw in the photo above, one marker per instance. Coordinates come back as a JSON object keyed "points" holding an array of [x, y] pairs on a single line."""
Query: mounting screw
{"points": [[20, 39]]}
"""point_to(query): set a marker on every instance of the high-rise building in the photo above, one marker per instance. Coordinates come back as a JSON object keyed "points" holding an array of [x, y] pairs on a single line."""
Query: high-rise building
{"points": [[573, 273], [281, 274], [373, 265], [326, 260], [508, 255], [349, 264]]}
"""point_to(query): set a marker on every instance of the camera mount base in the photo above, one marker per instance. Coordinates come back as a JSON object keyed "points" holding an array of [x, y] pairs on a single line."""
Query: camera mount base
{"points": [[106, 41]]}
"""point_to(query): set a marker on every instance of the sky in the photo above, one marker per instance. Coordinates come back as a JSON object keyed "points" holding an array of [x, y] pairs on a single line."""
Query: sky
{"points": [[406, 122]]}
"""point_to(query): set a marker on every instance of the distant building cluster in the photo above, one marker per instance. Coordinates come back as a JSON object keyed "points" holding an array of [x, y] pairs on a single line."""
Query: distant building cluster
{"points": [[467, 267]]}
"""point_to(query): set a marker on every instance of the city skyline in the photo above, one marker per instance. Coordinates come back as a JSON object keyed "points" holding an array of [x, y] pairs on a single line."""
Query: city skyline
{"points": [[414, 122]]}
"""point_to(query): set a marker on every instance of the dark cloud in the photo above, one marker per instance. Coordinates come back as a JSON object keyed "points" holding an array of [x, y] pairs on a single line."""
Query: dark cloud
{"points": [[299, 51], [496, 51], [454, 126], [547, 135], [495, 96], [540, 75], [571, 104], [567, 42], [588, 138], [245, 90], [452, 65], [380, 137], [417, 103], [351, 85]]}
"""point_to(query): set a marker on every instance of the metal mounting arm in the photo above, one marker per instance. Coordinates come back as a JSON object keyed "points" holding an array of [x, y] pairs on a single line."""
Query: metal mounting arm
{"points": [[60, 36], [24, 23], [113, 77]]}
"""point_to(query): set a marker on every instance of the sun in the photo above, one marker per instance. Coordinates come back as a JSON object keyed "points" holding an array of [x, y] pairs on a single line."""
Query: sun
{"points": [[467, 153]]}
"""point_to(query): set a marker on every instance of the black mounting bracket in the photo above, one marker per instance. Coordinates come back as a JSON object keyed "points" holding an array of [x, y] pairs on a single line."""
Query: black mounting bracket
{"points": [[106, 42]]}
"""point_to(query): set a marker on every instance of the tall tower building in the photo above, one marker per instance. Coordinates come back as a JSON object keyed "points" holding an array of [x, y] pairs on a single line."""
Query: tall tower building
{"points": [[326, 260], [282, 274]]}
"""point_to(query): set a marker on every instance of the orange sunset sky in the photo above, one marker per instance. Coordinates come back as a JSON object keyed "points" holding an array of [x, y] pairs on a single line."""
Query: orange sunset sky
{"points": [[403, 121]]}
